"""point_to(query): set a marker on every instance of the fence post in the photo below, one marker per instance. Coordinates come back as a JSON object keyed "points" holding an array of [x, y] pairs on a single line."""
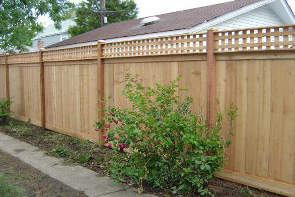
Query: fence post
{"points": [[7, 78], [42, 89], [211, 77], [100, 85]]}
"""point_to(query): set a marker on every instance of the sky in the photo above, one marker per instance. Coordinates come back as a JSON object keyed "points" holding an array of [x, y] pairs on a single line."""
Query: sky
{"points": [[155, 7]]}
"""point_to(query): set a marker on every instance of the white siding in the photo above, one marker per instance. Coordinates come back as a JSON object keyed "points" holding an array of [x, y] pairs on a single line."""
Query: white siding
{"points": [[263, 16]]}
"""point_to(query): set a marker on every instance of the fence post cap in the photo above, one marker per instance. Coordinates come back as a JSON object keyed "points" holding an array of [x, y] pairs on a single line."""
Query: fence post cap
{"points": [[101, 41], [212, 29]]}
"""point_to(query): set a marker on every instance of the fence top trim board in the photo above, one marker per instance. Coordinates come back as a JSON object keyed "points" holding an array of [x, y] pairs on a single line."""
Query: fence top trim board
{"points": [[227, 41]]}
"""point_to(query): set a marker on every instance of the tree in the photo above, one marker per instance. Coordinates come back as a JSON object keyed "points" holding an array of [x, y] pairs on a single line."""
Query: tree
{"points": [[18, 20], [88, 14]]}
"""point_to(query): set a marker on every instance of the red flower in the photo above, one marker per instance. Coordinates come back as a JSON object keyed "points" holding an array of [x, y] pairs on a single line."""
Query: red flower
{"points": [[122, 147], [107, 126], [116, 121], [105, 136], [102, 130], [112, 114], [109, 145]]}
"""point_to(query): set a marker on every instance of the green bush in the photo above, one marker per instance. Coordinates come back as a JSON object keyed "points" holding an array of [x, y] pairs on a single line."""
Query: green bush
{"points": [[4, 109], [159, 141]]}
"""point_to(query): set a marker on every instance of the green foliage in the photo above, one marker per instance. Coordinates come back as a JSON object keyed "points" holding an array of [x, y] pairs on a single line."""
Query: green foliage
{"points": [[246, 192], [84, 157], [18, 24], [21, 128], [7, 190], [161, 141], [61, 151], [88, 14], [64, 150], [4, 109]]}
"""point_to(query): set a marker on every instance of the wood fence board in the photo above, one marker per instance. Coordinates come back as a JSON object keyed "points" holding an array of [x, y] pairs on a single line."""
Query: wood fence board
{"points": [[2, 81], [276, 123], [109, 84], [25, 92], [264, 111], [193, 76], [193, 80], [263, 92], [71, 98], [241, 122], [287, 137]]}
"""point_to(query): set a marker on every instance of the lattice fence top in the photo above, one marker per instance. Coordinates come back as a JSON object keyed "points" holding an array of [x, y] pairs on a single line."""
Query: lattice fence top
{"points": [[179, 44], [32, 57], [77, 53], [251, 39], [256, 39]]}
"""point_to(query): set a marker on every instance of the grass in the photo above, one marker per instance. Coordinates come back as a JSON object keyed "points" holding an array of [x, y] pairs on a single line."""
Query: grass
{"points": [[7, 190]]}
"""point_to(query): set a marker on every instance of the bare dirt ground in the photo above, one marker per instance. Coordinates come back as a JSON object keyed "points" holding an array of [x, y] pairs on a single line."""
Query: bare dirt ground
{"points": [[29, 181]]}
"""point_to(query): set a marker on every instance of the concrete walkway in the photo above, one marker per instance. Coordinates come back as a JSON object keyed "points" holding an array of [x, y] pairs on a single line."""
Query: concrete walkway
{"points": [[76, 177]]}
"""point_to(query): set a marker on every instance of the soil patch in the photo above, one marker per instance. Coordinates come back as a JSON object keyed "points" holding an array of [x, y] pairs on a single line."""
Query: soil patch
{"points": [[28, 181]]}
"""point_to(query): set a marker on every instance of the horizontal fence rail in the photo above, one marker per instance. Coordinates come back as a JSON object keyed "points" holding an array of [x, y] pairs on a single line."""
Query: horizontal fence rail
{"points": [[32, 57]]}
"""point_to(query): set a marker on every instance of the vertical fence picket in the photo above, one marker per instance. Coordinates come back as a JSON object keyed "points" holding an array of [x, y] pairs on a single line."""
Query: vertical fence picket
{"points": [[42, 90], [100, 85], [7, 77], [211, 77]]}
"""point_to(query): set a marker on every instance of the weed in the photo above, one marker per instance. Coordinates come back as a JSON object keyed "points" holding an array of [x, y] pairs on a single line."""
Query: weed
{"points": [[61, 151], [84, 157], [21, 128], [4, 109], [246, 191]]}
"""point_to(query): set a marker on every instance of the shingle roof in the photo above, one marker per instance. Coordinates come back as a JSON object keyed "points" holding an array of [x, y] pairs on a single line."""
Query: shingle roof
{"points": [[168, 22]]}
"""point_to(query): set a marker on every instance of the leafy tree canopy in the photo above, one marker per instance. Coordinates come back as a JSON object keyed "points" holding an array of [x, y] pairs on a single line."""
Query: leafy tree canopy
{"points": [[88, 14], [18, 20]]}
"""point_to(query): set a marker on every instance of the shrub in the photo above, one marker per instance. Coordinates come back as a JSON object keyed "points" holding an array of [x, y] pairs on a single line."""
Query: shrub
{"points": [[4, 109], [159, 141]]}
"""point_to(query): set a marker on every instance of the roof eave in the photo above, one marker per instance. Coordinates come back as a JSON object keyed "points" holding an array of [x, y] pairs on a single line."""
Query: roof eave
{"points": [[230, 15]]}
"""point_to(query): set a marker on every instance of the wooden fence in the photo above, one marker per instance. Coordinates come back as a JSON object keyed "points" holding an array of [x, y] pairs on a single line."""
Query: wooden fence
{"points": [[253, 68]]}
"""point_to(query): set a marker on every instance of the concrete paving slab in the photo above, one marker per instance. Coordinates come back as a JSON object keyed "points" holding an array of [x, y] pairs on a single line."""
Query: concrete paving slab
{"points": [[77, 177], [128, 193]]}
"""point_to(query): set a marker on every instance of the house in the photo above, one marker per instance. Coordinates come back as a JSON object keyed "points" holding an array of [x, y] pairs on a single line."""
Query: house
{"points": [[230, 15], [51, 35]]}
